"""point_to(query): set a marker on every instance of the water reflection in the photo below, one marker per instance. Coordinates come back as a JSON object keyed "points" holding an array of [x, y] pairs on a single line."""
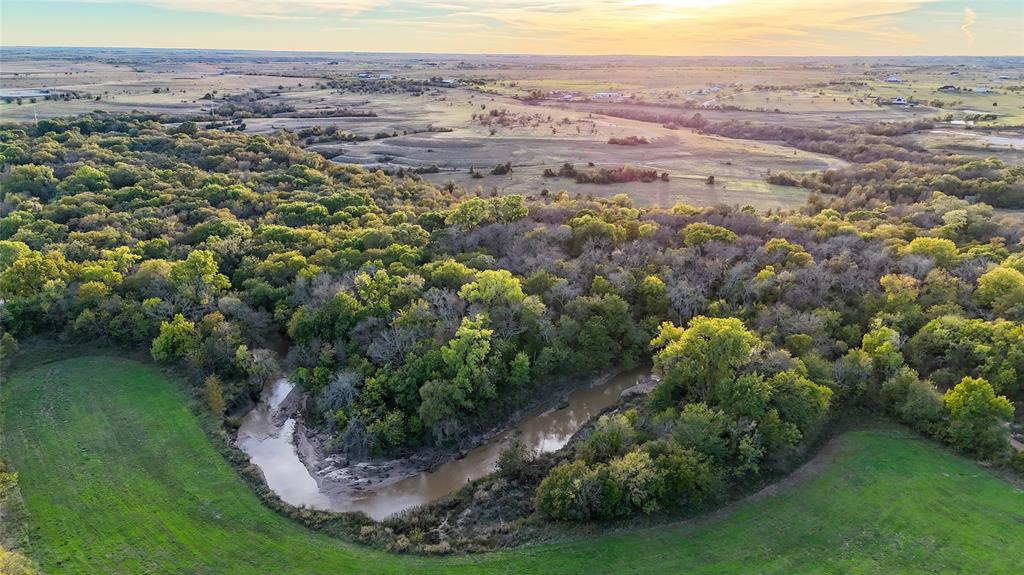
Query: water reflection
{"points": [[272, 448]]}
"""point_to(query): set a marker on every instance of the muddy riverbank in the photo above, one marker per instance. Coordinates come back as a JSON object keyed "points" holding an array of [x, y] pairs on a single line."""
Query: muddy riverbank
{"points": [[293, 461]]}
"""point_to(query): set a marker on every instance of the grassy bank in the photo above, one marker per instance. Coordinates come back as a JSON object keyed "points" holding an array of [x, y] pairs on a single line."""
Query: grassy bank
{"points": [[118, 477]]}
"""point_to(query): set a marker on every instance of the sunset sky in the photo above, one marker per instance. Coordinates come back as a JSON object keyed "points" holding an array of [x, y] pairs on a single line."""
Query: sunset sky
{"points": [[667, 27]]}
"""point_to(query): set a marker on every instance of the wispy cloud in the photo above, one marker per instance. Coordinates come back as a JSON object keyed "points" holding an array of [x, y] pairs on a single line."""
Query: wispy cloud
{"points": [[598, 26], [969, 19], [276, 9]]}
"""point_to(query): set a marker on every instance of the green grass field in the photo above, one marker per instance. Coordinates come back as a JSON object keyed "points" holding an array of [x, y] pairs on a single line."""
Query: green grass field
{"points": [[118, 477]]}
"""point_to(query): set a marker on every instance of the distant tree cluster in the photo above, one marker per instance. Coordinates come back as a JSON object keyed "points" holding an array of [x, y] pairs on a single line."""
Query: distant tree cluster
{"points": [[617, 175], [629, 141]]}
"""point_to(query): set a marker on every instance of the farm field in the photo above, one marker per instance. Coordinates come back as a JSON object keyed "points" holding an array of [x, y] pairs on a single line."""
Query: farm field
{"points": [[118, 477], [445, 131]]}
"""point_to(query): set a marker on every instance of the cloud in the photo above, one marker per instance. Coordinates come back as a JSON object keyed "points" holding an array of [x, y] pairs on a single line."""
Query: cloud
{"points": [[272, 9], [580, 26], [969, 19], [695, 26]]}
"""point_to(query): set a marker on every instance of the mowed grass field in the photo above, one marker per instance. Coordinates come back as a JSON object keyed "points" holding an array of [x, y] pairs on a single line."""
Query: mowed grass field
{"points": [[118, 477]]}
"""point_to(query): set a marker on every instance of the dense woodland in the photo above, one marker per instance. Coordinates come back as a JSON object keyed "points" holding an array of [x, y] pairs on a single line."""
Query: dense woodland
{"points": [[412, 314]]}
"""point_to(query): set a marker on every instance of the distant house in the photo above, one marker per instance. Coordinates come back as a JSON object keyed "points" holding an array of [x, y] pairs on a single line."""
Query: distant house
{"points": [[949, 88], [894, 80], [898, 101], [606, 96], [982, 89]]}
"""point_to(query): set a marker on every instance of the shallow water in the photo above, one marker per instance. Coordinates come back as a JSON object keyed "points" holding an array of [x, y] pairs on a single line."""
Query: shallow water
{"points": [[272, 448], [996, 139]]}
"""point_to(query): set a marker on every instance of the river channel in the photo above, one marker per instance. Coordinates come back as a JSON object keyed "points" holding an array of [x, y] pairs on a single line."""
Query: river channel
{"points": [[270, 443]]}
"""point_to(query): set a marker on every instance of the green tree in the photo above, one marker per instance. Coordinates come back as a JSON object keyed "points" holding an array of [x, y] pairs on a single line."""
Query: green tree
{"points": [[943, 251], [695, 361], [977, 416], [178, 339], [566, 493], [799, 400], [197, 278], [639, 485], [375, 291], [32, 274], [11, 251], [950, 347], [493, 287], [882, 344], [465, 378], [1002, 290], [588, 227], [612, 436], [853, 375], [469, 214], [8, 349], [653, 295], [84, 179], [744, 396], [898, 306], [698, 234], [32, 180], [449, 274], [687, 478], [703, 429]]}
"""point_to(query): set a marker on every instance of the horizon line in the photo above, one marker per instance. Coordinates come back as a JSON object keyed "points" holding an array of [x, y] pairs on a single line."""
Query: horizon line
{"points": [[516, 54]]}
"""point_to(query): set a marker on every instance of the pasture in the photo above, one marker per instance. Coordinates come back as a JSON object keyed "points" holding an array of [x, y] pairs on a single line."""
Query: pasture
{"points": [[118, 477]]}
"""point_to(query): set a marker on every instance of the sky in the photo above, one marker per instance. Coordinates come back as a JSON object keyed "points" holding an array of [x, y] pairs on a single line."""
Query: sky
{"points": [[659, 27]]}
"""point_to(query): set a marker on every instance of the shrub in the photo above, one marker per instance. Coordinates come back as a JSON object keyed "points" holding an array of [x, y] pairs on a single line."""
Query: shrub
{"points": [[612, 436], [515, 460], [977, 417], [213, 390], [563, 494], [698, 234]]}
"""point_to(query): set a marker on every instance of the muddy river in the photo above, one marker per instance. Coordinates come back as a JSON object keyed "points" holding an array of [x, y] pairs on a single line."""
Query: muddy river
{"points": [[270, 444]]}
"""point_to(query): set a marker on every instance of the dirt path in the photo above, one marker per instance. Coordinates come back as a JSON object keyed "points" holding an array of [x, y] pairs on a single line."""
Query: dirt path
{"points": [[808, 470], [1014, 443]]}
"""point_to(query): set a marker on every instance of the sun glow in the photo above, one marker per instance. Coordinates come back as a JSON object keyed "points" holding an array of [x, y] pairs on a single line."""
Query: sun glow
{"points": [[681, 3], [665, 27]]}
